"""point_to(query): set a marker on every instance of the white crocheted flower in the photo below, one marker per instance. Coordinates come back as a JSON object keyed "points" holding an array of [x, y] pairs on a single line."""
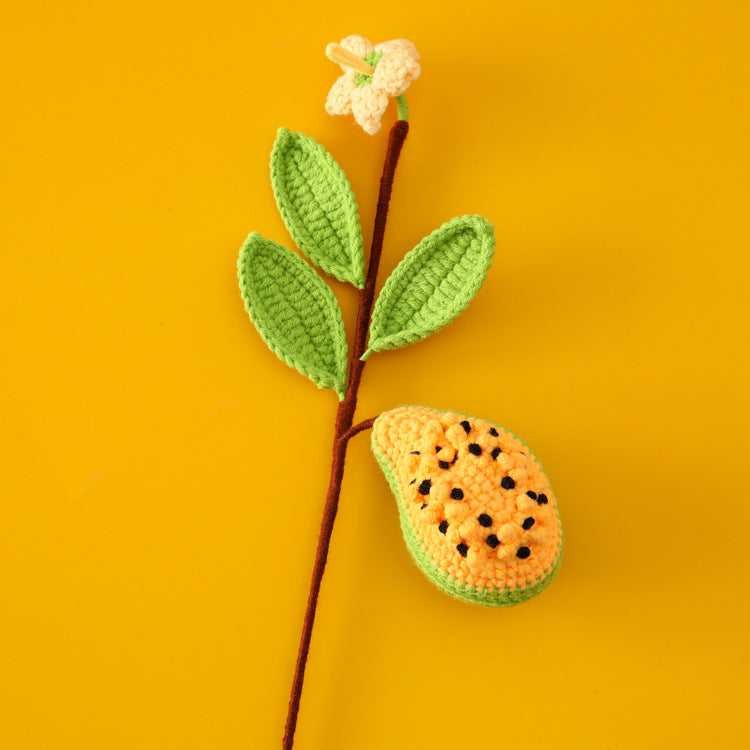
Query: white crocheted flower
{"points": [[372, 74]]}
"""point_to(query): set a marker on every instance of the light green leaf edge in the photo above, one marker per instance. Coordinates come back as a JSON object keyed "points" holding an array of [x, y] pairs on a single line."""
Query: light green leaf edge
{"points": [[294, 310], [433, 284], [318, 206]]}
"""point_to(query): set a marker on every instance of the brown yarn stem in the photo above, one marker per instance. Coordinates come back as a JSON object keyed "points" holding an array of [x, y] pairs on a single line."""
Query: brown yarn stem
{"points": [[344, 420], [361, 427]]}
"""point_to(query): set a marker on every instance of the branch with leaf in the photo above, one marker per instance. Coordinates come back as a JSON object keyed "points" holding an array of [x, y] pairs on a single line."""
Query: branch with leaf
{"points": [[470, 540]]}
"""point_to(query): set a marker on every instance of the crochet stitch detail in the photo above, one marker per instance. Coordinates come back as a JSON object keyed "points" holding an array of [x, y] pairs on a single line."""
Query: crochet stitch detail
{"points": [[294, 310], [318, 206], [466, 528], [392, 66], [433, 284], [360, 79]]}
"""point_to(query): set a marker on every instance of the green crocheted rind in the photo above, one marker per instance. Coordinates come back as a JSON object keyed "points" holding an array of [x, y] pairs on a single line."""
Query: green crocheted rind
{"points": [[441, 578], [433, 284], [294, 310], [318, 206]]}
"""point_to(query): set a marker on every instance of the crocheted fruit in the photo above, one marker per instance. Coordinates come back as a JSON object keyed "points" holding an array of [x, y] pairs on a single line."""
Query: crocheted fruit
{"points": [[477, 511]]}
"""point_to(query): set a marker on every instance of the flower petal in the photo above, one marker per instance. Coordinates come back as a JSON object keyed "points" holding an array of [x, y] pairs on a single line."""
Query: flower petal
{"points": [[395, 71], [398, 44], [339, 101], [360, 46], [368, 105]]}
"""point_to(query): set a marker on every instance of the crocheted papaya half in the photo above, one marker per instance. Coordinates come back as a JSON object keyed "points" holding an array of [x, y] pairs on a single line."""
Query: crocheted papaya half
{"points": [[477, 511]]}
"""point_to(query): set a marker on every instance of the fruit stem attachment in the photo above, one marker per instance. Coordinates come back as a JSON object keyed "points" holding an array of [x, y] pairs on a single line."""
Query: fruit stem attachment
{"points": [[366, 425], [345, 418]]}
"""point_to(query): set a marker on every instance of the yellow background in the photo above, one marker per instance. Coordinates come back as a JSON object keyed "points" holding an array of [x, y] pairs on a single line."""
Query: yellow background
{"points": [[163, 473]]}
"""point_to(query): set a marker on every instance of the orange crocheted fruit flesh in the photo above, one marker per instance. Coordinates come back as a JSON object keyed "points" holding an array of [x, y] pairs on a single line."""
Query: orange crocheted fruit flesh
{"points": [[477, 511]]}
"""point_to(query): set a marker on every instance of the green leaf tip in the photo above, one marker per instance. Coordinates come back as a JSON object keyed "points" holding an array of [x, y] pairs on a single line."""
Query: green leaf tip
{"points": [[294, 310], [318, 206], [433, 284]]}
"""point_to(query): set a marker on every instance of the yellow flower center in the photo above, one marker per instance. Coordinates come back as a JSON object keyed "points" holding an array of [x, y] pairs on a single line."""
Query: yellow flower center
{"points": [[343, 56]]}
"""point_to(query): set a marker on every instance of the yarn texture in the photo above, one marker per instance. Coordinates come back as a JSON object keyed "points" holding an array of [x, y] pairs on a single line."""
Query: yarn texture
{"points": [[318, 206], [294, 310], [363, 90], [478, 514], [433, 284]]}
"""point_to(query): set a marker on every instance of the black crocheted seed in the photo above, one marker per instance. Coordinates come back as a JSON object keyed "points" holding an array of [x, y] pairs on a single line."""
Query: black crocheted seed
{"points": [[523, 552], [412, 481], [443, 527], [467, 427], [413, 453], [496, 452], [493, 432], [457, 494], [444, 464], [475, 448], [542, 499], [492, 540], [528, 523], [438, 448], [423, 506], [507, 483], [484, 520], [462, 549], [531, 494], [424, 488]]}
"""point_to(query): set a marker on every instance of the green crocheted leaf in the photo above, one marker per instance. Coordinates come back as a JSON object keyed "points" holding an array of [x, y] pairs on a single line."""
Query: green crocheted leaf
{"points": [[318, 206], [433, 284], [294, 311]]}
